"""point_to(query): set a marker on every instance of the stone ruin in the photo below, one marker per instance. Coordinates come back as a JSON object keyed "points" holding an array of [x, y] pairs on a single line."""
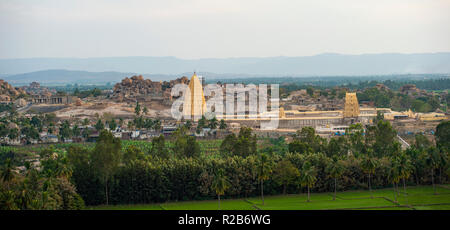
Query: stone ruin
{"points": [[35, 89], [412, 90]]}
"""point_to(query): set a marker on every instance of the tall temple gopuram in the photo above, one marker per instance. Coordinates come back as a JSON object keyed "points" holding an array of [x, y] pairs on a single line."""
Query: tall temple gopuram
{"points": [[194, 106]]}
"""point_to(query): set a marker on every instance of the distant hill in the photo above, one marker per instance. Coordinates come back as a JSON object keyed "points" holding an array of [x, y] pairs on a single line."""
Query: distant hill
{"points": [[63, 77], [318, 65], [60, 77]]}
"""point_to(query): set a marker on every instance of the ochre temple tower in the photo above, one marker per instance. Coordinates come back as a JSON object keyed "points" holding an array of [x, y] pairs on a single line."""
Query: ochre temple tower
{"points": [[194, 106], [351, 106]]}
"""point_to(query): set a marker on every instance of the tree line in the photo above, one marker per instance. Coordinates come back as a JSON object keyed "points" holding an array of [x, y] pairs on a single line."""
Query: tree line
{"points": [[364, 159]]}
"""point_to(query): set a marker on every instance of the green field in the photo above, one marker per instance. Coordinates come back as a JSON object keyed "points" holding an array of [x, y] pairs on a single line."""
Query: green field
{"points": [[417, 198]]}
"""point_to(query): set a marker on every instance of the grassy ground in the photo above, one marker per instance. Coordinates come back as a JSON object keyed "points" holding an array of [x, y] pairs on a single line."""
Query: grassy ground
{"points": [[416, 198]]}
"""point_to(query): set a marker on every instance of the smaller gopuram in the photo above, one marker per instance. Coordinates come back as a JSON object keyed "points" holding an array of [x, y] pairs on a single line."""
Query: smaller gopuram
{"points": [[351, 106]]}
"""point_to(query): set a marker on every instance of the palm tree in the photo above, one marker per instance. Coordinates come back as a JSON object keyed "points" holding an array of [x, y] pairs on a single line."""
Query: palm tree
{"points": [[443, 161], [213, 123], [220, 184], [188, 124], [99, 126], [7, 173], [86, 132], [137, 109], [394, 175], [85, 122], [64, 169], [432, 161], [368, 165], [264, 170], [201, 122], [76, 131], [157, 125], [447, 170], [120, 122], [222, 124], [405, 169], [130, 125], [308, 177], [145, 110], [13, 133], [335, 169]]}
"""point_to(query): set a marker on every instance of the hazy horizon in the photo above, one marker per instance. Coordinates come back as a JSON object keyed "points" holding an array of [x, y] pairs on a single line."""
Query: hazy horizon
{"points": [[326, 64], [240, 57]]}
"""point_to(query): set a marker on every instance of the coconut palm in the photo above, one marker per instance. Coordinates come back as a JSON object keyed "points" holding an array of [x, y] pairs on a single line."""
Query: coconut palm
{"points": [[188, 124], [443, 161], [213, 123], [394, 175], [405, 168], [335, 169], [264, 170], [222, 124], [368, 165], [308, 177], [64, 169], [447, 170], [220, 184], [137, 109], [433, 161], [85, 122], [13, 133], [157, 125], [7, 174]]}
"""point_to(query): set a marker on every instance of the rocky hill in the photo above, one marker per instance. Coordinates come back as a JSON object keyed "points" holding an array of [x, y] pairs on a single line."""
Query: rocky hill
{"points": [[36, 89], [9, 93], [137, 88]]}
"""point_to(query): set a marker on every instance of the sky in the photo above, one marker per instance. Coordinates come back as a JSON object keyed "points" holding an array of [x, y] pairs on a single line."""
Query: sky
{"points": [[193, 29]]}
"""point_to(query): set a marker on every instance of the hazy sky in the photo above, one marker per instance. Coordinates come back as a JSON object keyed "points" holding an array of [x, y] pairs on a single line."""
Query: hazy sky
{"points": [[221, 28]]}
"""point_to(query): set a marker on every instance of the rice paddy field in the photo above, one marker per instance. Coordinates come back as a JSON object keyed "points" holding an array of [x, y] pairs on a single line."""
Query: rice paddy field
{"points": [[415, 198]]}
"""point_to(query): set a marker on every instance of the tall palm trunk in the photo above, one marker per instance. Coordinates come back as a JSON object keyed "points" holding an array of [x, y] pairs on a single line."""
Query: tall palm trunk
{"points": [[335, 182], [417, 178], [404, 191], [308, 193], [106, 191], [370, 188], [432, 180], [262, 191], [395, 193], [396, 189], [219, 201]]}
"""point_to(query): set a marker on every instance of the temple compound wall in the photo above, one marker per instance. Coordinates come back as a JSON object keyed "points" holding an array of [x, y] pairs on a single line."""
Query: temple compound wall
{"points": [[54, 99]]}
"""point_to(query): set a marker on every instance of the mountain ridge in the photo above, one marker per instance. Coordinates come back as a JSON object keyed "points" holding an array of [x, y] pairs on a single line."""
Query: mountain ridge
{"points": [[325, 64]]}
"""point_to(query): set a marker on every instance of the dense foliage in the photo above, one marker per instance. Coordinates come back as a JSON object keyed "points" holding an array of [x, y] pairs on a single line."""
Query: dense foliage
{"points": [[311, 163], [117, 172]]}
